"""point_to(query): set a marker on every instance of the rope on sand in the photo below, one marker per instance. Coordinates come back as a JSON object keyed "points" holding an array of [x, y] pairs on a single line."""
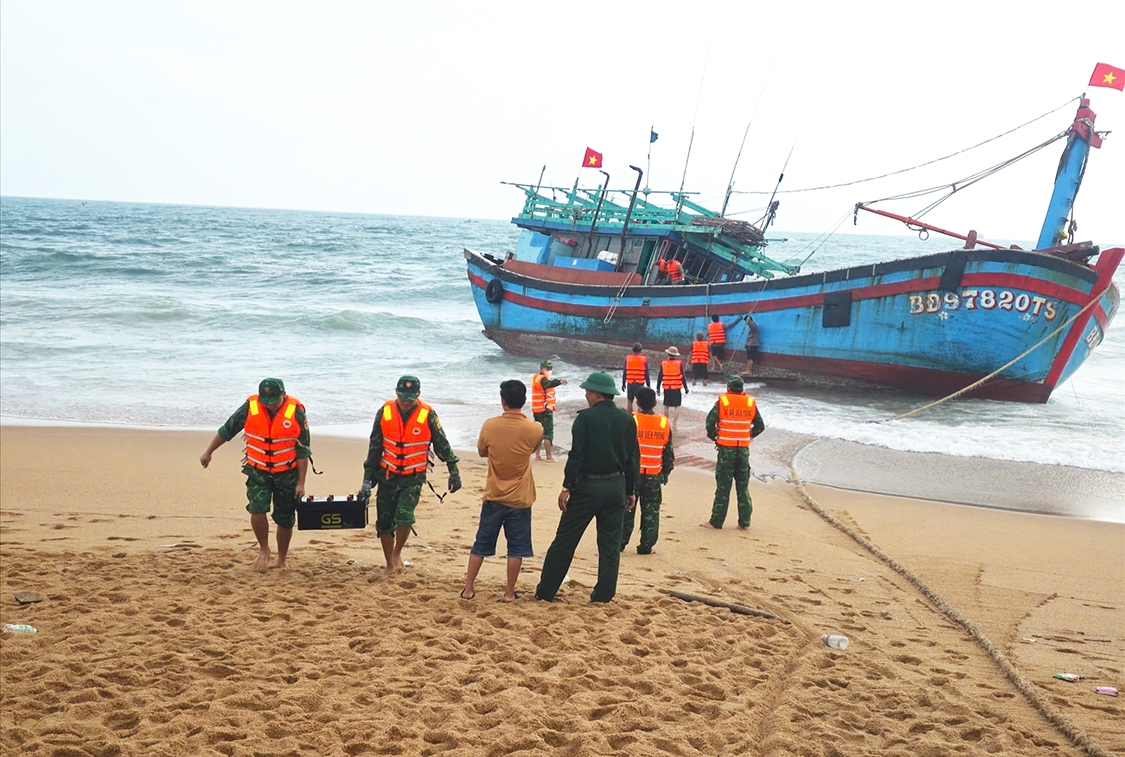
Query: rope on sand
{"points": [[732, 606], [1079, 738]]}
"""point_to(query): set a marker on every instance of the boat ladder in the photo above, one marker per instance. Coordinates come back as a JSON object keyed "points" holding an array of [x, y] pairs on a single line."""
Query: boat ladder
{"points": [[617, 299]]}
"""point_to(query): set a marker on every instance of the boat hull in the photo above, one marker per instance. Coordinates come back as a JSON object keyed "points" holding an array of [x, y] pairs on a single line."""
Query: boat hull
{"points": [[932, 325]]}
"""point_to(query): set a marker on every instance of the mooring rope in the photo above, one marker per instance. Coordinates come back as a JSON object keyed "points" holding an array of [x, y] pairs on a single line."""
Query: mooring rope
{"points": [[1093, 301], [1079, 738]]}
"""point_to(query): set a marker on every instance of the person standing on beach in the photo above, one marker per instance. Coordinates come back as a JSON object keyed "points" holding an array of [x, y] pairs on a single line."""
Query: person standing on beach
{"points": [[598, 483], [673, 382], [700, 358], [635, 374], [654, 439], [277, 459], [543, 405], [509, 492], [752, 342], [397, 458], [731, 424], [717, 337]]}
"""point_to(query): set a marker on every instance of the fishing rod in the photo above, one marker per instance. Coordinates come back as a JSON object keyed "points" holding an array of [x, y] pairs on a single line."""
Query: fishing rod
{"points": [[771, 208], [730, 184]]}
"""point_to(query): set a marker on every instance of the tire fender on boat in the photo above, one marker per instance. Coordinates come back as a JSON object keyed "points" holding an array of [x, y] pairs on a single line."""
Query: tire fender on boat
{"points": [[494, 292]]}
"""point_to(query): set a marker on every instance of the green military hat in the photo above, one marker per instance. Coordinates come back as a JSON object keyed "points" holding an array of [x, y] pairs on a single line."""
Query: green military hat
{"points": [[601, 382], [735, 382], [271, 390], [546, 364], [408, 387]]}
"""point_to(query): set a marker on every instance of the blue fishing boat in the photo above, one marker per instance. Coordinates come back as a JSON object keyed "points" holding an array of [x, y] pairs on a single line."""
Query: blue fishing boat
{"points": [[585, 282]]}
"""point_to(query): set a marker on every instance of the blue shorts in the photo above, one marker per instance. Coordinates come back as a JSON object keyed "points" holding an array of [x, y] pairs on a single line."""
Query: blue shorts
{"points": [[517, 530]]}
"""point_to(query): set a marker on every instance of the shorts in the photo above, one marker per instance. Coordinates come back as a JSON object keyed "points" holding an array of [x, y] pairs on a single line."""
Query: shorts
{"points": [[673, 397], [699, 370], [717, 349], [547, 419], [631, 391], [516, 522], [395, 500], [281, 488], [751, 352]]}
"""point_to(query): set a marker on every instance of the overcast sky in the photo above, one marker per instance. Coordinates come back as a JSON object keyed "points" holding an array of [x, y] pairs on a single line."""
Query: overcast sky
{"points": [[423, 108]]}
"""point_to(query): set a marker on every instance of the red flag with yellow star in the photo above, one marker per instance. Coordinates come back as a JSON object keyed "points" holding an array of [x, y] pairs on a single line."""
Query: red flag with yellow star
{"points": [[1106, 75], [593, 159]]}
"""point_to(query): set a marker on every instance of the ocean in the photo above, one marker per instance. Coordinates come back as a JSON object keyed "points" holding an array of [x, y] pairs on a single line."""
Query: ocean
{"points": [[146, 315]]}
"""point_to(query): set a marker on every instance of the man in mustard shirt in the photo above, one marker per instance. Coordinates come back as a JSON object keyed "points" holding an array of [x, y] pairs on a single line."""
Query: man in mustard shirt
{"points": [[508, 440]]}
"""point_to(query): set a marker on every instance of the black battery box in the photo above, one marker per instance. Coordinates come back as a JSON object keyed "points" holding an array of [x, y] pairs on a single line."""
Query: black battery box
{"points": [[329, 513]]}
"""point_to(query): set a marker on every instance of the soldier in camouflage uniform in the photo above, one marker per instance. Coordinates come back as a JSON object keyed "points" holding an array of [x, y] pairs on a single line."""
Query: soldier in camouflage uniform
{"points": [[657, 461], [397, 460], [731, 424], [277, 457]]}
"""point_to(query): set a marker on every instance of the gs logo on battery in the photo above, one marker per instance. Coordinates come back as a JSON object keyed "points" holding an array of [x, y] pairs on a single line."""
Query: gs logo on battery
{"points": [[331, 520]]}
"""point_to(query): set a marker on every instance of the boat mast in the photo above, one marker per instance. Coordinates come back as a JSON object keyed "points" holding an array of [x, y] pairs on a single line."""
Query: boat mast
{"points": [[1069, 177]]}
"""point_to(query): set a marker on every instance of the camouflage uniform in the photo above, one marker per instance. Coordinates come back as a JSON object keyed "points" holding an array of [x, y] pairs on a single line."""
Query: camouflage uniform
{"points": [[732, 463], [262, 487], [649, 498], [397, 496]]}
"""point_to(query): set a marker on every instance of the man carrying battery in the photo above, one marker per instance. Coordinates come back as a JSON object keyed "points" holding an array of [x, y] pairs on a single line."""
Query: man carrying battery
{"points": [[277, 458], [397, 459]]}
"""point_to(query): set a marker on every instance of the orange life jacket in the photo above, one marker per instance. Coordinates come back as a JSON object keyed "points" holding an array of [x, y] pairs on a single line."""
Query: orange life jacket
{"points": [[673, 374], [406, 442], [662, 265], [271, 443], [736, 417], [542, 400], [715, 333], [675, 271], [635, 366], [652, 435], [700, 351]]}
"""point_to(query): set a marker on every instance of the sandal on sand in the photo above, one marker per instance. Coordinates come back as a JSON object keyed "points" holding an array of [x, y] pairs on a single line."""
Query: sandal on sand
{"points": [[471, 596], [517, 596]]}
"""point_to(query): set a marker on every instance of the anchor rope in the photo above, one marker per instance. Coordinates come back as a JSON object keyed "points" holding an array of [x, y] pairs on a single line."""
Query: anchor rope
{"points": [[1077, 737]]}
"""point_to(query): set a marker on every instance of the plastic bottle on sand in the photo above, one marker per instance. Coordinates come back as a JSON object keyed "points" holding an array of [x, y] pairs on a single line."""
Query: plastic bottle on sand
{"points": [[19, 628], [1071, 677], [1107, 690], [835, 641]]}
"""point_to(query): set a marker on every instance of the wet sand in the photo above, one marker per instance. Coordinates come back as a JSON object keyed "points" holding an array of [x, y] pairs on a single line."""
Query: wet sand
{"points": [[155, 637]]}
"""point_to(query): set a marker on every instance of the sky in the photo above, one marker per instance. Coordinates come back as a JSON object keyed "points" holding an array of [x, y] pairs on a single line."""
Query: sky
{"points": [[425, 108]]}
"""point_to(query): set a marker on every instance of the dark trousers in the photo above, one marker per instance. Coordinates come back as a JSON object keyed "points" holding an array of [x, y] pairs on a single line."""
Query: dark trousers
{"points": [[601, 499]]}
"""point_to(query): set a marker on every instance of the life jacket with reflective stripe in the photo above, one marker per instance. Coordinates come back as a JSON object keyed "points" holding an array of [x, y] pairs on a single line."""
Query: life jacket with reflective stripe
{"points": [[406, 442], [715, 333], [736, 418], [542, 399], [635, 366], [673, 374], [675, 271], [271, 443], [652, 435], [700, 351]]}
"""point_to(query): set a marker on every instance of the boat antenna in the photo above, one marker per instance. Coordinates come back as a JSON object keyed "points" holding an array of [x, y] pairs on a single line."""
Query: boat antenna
{"points": [[652, 135], [771, 208], [541, 178], [698, 97], [730, 184]]}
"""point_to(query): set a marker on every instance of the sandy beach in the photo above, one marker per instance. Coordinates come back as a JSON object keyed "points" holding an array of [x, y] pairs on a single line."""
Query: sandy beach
{"points": [[156, 638]]}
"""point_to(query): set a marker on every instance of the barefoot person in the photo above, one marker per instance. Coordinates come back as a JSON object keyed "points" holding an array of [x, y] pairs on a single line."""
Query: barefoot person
{"points": [[543, 405], [397, 457], [731, 424], [671, 380], [509, 492], [277, 457]]}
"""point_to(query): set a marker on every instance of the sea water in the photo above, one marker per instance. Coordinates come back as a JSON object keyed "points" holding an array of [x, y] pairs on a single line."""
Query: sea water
{"points": [[162, 315]]}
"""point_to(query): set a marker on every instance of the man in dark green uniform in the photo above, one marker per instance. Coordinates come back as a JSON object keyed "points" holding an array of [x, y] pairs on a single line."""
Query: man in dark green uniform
{"points": [[598, 482], [649, 492], [732, 462], [283, 487], [397, 464]]}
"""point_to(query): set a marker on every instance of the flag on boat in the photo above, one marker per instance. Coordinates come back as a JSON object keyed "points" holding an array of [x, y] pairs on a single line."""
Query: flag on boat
{"points": [[593, 159], [1106, 75], [652, 136]]}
